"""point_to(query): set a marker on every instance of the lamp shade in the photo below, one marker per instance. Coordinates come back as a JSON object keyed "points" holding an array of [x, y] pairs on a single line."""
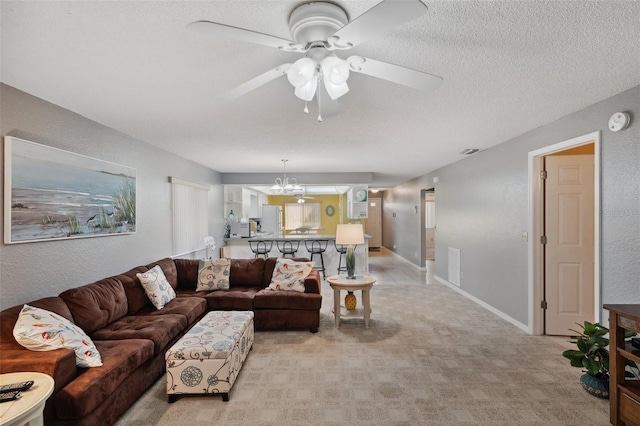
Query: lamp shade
{"points": [[350, 234], [301, 72], [307, 91], [335, 70]]}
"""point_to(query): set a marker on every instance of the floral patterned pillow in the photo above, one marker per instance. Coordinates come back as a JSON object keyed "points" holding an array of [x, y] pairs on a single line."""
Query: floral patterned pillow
{"points": [[41, 330], [213, 274], [289, 275], [158, 289]]}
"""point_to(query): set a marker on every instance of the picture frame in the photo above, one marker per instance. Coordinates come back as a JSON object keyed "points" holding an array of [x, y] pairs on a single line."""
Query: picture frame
{"points": [[52, 194], [329, 210]]}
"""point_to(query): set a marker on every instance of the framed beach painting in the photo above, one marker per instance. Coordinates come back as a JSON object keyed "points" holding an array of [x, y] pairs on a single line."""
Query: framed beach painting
{"points": [[51, 194]]}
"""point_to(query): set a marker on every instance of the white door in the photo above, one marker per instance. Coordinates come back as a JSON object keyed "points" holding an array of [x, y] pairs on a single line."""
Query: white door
{"points": [[373, 224], [569, 250], [430, 226]]}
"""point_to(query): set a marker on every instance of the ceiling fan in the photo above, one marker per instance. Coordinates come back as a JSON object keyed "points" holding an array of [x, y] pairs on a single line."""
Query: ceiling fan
{"points": [[318, 30]]}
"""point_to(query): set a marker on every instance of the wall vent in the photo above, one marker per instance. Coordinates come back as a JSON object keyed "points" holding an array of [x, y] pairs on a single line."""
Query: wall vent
{"points": [[469, 151], [454, 266]]}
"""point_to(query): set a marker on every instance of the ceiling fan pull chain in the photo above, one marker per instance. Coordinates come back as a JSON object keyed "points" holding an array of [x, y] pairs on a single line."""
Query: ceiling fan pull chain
{"points": [[319, 108]]}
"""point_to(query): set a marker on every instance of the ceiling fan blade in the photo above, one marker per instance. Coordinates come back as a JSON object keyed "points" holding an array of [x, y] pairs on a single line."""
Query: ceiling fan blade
{"points": [[255, 82], [395, 73], [327, 107], [377, 20], [227, 31]]}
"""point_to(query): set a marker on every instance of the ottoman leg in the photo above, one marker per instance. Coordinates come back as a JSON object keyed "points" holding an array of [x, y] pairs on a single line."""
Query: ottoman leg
{"points": [[225, 396], [172, 397]]}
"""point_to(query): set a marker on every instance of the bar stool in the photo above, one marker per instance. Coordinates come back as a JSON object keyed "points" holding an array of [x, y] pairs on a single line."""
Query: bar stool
{"points": [[288, 247], [317, 247], [261, 248], [342, 250]]}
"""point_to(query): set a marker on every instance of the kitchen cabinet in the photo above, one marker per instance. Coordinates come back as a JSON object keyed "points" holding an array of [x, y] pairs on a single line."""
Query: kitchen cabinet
{"points": [[233, 201]]}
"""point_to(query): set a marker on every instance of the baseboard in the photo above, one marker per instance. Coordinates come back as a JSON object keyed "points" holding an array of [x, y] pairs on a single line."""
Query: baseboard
{"points": [[485, 305], [387, 251]]}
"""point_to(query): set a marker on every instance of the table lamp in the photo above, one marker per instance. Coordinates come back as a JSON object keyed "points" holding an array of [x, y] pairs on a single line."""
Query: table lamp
{"points": [[350, 235]]}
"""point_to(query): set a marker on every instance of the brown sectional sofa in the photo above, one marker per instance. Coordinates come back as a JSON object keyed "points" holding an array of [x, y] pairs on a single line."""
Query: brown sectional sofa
{"points": [[132, 336]]}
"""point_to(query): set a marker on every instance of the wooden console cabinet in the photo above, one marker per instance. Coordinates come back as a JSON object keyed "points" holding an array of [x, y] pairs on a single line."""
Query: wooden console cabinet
{"points": [[624, 395]]}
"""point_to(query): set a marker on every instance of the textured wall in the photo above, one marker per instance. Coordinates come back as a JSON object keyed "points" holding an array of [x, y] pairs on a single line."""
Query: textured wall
{"points": [[482, 208], [32, 270]]}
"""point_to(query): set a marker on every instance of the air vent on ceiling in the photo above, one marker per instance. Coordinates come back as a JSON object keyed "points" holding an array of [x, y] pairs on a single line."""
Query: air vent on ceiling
{"points": [[469, 151]]}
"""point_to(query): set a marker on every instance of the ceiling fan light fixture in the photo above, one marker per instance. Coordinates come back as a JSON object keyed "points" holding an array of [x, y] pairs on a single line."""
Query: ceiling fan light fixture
{"points": [[301, 72], [308, 91], [335, 70], [335, 90]]}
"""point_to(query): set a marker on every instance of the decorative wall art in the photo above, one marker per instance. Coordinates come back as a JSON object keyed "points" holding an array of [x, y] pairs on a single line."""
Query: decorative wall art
{"points": [[54, 194]]}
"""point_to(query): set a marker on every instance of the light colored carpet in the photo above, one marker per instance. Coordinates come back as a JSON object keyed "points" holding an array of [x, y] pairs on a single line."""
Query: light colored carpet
{"points": [[431, 357]]}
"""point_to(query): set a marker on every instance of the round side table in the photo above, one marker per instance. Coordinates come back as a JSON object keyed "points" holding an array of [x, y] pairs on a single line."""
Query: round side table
{"points": [[30, 406], [362, 283]]}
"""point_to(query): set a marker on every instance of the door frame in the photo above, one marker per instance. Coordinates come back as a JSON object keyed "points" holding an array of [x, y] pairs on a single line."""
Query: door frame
{"points": [[536, 227]]}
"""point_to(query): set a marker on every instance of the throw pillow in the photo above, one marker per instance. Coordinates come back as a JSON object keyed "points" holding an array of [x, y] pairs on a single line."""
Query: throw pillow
{"points": [[213, 274], [158, 289], [289, 275], [41, 330]]}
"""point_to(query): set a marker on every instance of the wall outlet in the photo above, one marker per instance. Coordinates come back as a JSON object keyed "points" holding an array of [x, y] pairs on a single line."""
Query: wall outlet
{"points": [[525, 236], [415, 254], [395, 247]]}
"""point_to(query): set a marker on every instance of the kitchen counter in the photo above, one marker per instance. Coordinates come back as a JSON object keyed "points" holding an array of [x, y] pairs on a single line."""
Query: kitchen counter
{"points": [[239, 248]]}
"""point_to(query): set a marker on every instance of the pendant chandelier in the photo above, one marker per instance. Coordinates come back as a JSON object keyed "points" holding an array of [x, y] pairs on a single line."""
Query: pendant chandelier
{"points": [[286, 185]]}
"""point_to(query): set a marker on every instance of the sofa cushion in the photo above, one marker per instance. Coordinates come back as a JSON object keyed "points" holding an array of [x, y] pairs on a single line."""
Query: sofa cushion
{"points": [[190, 307], [247, 272], [160, 329], [93, 386], [187, 270], [169, 269], [157, 287], [269, 266], [213, 274], [239, 298], [136, 296], [40, 330], [95, 305], [269, 299]]}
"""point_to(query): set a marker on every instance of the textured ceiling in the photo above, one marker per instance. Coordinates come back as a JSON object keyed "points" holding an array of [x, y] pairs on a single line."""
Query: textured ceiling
{"points": [[508, 67]]}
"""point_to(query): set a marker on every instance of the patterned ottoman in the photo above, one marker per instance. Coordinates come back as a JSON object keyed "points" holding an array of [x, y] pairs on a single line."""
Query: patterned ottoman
{"points": [[208, 358]]}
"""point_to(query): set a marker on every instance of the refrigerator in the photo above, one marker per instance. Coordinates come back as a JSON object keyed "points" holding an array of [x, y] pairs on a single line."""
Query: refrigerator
{"points": [[271, 220]]}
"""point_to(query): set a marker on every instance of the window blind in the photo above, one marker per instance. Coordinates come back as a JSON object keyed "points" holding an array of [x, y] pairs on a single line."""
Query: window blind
{"points": [[190, 213], [306, 214]]}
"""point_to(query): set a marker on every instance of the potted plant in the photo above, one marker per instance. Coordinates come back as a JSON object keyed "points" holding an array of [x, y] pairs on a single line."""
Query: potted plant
{"points": [[593, 356]]}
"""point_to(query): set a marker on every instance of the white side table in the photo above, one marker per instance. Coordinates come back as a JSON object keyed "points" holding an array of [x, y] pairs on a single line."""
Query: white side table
{"points": [[341, 282], [29, 408]]}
